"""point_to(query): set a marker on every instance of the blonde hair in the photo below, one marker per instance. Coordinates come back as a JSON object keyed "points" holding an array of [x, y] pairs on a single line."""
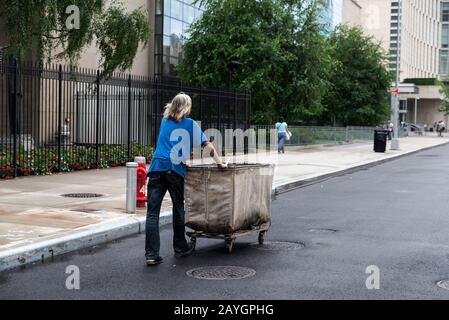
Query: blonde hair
{"points": [[180, 107]]}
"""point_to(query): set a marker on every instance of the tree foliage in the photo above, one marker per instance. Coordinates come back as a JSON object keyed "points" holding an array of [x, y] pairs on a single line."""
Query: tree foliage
{"points": [[444, 90], [280, 48], [39, 26], [293, 67], [359, 81]]}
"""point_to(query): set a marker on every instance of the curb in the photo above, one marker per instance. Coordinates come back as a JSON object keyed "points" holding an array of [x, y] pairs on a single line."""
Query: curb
{"points": [[129, 226], [47, 250]]}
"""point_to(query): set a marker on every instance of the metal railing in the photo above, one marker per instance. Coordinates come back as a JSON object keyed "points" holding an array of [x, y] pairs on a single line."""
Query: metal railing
{"points": [[59, 119], [314, 135]]}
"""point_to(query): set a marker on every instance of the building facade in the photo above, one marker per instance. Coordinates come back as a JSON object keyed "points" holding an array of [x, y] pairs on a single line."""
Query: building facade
{"points": [[336, 12], [169, 21], [416, 33], [351, 13], [330, 14], [172, 20]]}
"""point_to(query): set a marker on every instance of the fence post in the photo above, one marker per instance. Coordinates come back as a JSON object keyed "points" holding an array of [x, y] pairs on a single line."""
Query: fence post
{"points": [[14, 104], [129, 116], [155, 112], [201, 105], [97, 131], [249, 99], [219, 112], [59, 116], [77, 105], [235, 126]]}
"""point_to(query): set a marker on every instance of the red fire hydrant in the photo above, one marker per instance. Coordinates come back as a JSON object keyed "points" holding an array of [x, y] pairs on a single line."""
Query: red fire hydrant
{"points": [[141, 183]]}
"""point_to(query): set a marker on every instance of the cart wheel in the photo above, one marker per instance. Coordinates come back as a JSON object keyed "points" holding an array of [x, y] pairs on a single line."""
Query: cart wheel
{"points": [[193, 242], [230, 245], [261, 238]]}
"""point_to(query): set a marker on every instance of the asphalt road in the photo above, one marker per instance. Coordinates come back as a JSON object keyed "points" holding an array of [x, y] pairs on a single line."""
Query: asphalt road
{"points": [[394, 216]]}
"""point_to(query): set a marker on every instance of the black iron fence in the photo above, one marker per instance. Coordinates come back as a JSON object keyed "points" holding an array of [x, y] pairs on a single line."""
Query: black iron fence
{"points": [[59, 119]]}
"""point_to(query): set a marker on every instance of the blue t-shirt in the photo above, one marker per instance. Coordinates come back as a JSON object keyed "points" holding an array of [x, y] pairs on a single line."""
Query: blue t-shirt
{"points": [[175, 144], [282, 127]]}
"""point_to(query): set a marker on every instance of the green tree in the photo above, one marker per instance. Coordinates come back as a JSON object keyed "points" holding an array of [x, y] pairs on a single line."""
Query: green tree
{"points": [[444, 90], [279, 45], [40, 26], [359, 80]]}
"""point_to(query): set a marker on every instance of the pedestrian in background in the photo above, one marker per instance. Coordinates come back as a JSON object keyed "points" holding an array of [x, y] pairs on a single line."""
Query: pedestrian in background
{"points": [[441, 128], [282, 128], [390, 128], [178, 136]]}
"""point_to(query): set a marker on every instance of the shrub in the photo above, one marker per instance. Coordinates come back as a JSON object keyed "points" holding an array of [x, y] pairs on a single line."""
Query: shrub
{"points": [[44, 160]]}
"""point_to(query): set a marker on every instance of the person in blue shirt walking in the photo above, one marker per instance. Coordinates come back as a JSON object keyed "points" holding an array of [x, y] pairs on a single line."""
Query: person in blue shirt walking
{"points": [[282, 128], [177, 138]]}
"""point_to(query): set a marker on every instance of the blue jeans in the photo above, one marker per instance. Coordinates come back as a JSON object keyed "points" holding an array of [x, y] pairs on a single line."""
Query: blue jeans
{"points": [[282, 137], [158, 185]]}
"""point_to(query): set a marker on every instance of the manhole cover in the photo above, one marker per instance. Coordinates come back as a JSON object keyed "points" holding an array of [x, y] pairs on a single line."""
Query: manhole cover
{"points": [[221, 273], [82, 195], [322, 231], [444, 284], [279, 246]]}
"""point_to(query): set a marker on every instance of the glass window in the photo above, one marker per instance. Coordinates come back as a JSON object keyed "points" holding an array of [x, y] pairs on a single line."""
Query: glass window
{"points": [[167, 25], [177, 16], [166, 46], [177, 9], [198, 13], [167, 7], [176, 28], [166, 66], [169, 66], [445, 11], [175, 46], [444, 62], [445, 36], [189, 14], [173, 64]]}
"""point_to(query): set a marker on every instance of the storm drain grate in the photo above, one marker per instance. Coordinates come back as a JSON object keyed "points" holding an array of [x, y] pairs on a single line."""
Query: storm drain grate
{"points": [[444, 284], [428, 156], [323, 231], [279, 246], [82, 195], [92, 211], [221, 273]]}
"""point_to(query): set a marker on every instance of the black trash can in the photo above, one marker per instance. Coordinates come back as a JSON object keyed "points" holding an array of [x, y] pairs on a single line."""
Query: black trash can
{"points": [[380, 140]]}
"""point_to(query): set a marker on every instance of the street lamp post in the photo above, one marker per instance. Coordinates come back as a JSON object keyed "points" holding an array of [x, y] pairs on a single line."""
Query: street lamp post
{"points": [[395, 95]]}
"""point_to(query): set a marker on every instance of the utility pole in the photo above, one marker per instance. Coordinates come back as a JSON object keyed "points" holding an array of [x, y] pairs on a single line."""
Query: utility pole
{"points": [[395, 95]]}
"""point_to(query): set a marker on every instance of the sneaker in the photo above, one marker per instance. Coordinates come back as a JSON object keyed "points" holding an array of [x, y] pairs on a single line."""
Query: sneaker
{"points": [[186, 253], [154, 261]]}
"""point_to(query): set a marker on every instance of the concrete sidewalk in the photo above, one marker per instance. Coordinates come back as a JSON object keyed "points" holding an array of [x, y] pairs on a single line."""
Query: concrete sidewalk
{"points": [[37, 222]]}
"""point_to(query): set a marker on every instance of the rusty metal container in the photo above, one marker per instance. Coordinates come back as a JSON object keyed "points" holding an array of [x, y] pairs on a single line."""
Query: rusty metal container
{"points": [[230, 200]]}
